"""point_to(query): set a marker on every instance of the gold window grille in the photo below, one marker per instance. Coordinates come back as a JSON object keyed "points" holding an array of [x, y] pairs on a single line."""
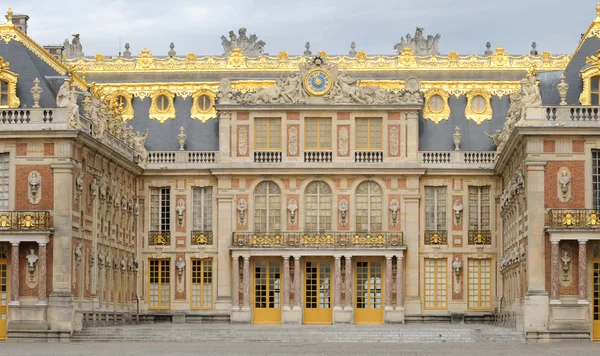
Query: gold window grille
{"points": [[436, 283], [369, 134], [267, 207], [369, 207], [202, 283], [318, 208], [159, 296], [317, 134], [480, 283], [267, 134]]}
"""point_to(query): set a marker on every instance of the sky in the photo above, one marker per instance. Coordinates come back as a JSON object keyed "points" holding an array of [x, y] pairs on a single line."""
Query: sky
{"points": [[330, 25]]}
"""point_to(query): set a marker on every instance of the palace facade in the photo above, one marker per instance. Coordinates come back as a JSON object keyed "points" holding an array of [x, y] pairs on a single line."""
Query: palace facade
{"points": [[304, 189]]}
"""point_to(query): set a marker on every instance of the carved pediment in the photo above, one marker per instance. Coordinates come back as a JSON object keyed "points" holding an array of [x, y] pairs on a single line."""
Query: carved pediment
{"points": [[319, 82]]}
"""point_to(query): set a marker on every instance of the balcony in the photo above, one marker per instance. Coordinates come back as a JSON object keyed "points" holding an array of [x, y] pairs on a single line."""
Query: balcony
{"points": [[267, 156], [318, 156], [436, 237], [458, 159], [480, 237], [318, 240], [368, 156], [573, 219], [182, 159], [202, 237], [25, 220], [159, 238]]}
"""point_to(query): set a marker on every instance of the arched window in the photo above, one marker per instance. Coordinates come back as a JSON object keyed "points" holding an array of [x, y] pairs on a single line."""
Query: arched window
{"points": [[369, 203], [317, 208], [267, 207]]}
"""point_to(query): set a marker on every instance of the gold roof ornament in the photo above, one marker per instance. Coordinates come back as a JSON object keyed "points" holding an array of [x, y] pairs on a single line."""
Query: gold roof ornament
{"points": [[9, 16]]}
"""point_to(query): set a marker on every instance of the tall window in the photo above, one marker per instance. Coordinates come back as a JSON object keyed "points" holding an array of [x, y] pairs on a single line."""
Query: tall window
{"points": [[160, 278], [369, 207], [596, 178], [595, 90], [160, 209], [479, 208], [267, 207], [202, 208], [4, 188], [317, 210], [368, 134], [318, 134], [202, 283], [436, 283], [267, 134], [480, 284], [3, 94], [435, 208]]}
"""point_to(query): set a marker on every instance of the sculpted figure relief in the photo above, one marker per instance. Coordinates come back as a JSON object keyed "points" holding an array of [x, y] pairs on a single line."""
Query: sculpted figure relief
{"points": [[420, 45], [250, 46], [139, 147]]}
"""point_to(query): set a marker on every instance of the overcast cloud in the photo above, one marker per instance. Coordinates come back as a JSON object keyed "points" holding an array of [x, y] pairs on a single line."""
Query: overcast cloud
{"points": [[330, 25]]}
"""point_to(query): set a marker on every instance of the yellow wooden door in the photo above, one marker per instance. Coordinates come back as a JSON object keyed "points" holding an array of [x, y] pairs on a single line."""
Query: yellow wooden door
{"points": [[317, 292], [267, 292], [596, 292], [3, 290], [368, 292]]}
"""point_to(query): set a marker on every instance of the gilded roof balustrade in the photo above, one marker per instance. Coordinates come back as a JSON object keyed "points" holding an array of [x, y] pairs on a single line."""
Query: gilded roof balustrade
{"points": [[500, 60]]}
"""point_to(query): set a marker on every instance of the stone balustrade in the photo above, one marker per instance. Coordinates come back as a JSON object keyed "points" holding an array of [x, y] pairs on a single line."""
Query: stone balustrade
{"points": [[368, 156], [458, 159], [267, 156], [318, 156], [181, 159], [577, 115]]}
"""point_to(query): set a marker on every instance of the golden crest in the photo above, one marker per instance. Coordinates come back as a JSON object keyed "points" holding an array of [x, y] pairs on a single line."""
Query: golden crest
{"points": [[236, 58]]}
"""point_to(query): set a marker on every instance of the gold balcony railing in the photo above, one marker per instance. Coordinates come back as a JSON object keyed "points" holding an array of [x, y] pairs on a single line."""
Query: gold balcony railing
{"points": [[202, 237], [25, 220], [574, 218], [304, 239], [436, 237], [159, 238], [480, 237]]}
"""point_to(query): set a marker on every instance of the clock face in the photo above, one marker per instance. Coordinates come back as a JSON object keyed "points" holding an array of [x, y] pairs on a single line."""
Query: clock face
{"points": [[318, 82]]}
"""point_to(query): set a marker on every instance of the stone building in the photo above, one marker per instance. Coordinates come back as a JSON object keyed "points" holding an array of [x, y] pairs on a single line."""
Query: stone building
{"points": [[251, 188]]}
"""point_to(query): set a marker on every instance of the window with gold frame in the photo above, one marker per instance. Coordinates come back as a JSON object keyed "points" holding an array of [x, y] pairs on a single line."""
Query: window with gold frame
{"points": [[267, 133], [202, 283], [8, 86], [480, 283], [317, 133], [436, 105], [436, 283], [595, 90], [203, 107], [369, 134], [162, 107], [122, 100], [478, 107]]}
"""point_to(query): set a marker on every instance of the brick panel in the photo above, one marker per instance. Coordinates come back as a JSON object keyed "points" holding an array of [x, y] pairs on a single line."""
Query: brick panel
{"points": [[244, 115], [393, 115], [577, 169], [578, 145], [48, 149], [293, 115], [549, 146], [342, 115], [21, 149], [22, 188]]}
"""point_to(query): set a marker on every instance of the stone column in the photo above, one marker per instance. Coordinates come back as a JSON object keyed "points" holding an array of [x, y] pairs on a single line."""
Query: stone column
{"points": [[583, 272], [337, 282], [224, 229], [297, 292], [235, 275], [412, 238], [388, 282], [42, 298], [554, 274], [400, 281], [246, 283], [285, 276], [348, 304], [14, 275]]}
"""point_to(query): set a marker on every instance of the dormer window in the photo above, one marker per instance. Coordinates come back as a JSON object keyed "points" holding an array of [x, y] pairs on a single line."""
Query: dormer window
{"points": [[595, 93], [8, 86], [3, 94], [162, 107]]}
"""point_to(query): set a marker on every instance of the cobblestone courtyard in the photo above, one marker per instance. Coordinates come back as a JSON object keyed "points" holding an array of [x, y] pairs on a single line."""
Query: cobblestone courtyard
{"points": [[271, 348]]}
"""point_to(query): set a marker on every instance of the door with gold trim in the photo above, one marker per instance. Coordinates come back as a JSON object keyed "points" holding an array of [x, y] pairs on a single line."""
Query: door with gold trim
{"points": [[318, 291], [266, 304], [596, 291], [3, 290], [368, 282]]}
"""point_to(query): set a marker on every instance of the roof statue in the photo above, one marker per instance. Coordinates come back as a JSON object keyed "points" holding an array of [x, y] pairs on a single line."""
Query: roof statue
{"points": [[420, 45], [250, 46], [319, 82], [73, 49]]}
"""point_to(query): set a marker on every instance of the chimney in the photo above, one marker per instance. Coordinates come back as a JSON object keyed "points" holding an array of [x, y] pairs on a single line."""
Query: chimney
{"points": [[20, 21]]}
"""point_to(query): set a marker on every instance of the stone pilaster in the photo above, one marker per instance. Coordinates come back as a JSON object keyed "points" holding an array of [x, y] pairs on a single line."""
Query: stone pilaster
{"points": [[412, 119], [348, 302], [388, 282], [337, 283], [285, 276], [14, 275], [554, 274], [412, 238], [246, 283], [42, 297], [224, 137], [400, 282], [297, 289], [583, 272], [226, 219], [235, 276]]}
